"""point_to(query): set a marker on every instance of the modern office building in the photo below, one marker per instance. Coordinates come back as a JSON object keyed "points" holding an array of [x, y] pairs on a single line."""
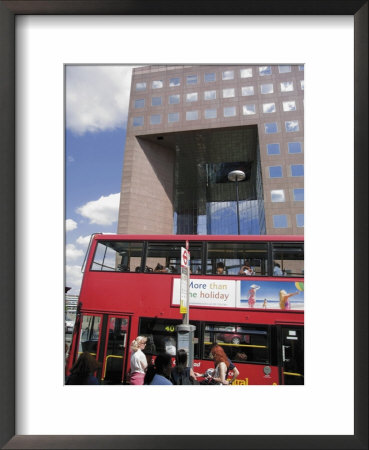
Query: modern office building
{"points": [[190, 126]]}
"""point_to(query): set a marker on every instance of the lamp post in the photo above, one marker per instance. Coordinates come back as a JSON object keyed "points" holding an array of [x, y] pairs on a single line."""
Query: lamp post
{"points": [[237, 175]]}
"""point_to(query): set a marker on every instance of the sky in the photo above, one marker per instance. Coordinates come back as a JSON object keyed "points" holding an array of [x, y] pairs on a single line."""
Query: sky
{"points": [[97, 99]]}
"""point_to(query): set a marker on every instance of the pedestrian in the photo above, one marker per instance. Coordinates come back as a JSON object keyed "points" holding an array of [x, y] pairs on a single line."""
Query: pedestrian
{"points": [[181, 374], [159, 372], [221, 362], [83, 370], [138, 361]]}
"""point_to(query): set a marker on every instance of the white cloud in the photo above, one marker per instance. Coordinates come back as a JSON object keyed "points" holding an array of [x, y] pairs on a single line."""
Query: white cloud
{"points": [[70, 225], [83, 240], [73, 278], [103, 211], [97, 97], [72, 252]]}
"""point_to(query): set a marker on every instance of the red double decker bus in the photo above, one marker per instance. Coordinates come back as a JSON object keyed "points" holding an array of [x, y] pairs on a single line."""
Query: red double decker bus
{"points": [[254, 309]]}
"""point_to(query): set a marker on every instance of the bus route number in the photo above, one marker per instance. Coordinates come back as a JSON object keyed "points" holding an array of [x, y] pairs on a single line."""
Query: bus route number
{"points": [[169, 328]]}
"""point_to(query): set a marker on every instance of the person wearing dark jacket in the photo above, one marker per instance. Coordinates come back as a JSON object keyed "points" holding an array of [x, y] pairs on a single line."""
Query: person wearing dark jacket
{"points": [[83, 370], [181, 374]]}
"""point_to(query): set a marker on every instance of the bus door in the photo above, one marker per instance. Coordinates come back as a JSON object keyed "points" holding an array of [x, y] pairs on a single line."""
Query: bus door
{"points": [[292, 354], [115, 353]]}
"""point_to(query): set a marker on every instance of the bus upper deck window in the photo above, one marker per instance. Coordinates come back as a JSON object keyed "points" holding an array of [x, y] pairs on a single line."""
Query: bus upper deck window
{"points": [[288, 259], [117, 256], [233, 256]]}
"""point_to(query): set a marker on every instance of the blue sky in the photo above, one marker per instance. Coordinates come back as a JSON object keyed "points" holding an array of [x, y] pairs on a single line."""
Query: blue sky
{"points": [[97, 99]]}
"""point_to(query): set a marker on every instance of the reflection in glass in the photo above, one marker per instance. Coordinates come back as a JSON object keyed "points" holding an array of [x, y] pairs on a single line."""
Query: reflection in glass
{"points": [[210, 113], [229, 111], [292, 125], [269, 107], [155, 119], [173, 117], [228, 93], [284, 69], [294, 147], [191, 97], [138, 121], [287, 86], [297, 170], [140, 103], [247, 90], [298, 194], [271, 128], [300, 220], [277, 195], [157, 84], [289, 106], [266, 88], [245, 73], [155, 101], [174, 99], [273, 149], [228, 75], [192, 115], [140, 86], [210, 95], [275, 172], [280, 221], [208, 77], [191, 79], [265, 70], [248, 109], [174, 82]]}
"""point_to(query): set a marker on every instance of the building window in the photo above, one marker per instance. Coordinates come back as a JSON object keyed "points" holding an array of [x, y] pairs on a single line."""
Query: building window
{"points": [[173, 117], [174, 99], [297, 170], [271, 128], [284, 69], [301, 67], [269, 108], [280, 221], [210, 113], [247, 90], [275, 172], [265, 70], [289, 106], [292, 125], [191, 97], [141, 86], [267, 88], [155, 119], [210, 95], [248, 109], [273, 149], [277, 195], [302, 84], [138, 121], [229, 111], [191, 79], [140, 103], [209, 77], [156, 84], [174, 82], [298, 194], [192, 115], [300, 220], [228, 75], [287, 86], [294, 147], [228, 93], [156, 101], [246, 73]]}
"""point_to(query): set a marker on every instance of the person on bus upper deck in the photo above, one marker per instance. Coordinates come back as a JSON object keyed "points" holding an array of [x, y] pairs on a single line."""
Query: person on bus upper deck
{"points": [[277, 271], [220, 268], [246, 269], [83, 370], [138, 361], [161, 269], [159, 372]]}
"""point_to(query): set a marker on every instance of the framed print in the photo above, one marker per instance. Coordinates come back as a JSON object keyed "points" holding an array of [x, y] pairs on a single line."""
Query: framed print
{"points": [[37, 40]]}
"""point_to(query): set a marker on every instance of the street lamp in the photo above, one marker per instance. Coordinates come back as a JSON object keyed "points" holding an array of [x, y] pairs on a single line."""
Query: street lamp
{"points": [[237, 175]]}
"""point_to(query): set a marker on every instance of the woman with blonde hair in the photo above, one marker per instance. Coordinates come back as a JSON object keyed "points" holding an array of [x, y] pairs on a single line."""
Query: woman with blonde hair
{"points": [[284, 302], [138, 361]]}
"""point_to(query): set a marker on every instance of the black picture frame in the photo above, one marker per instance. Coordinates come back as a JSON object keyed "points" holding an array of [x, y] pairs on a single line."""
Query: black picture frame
{"points": [[8, 11]]}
